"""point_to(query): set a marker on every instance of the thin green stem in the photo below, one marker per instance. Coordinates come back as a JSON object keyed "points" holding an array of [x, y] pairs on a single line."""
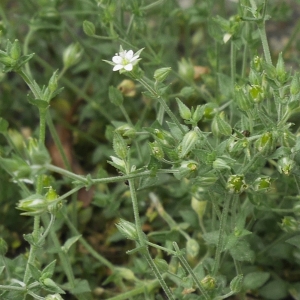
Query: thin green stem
{"points": [[162, 102], [221, 234], [187, 267]]}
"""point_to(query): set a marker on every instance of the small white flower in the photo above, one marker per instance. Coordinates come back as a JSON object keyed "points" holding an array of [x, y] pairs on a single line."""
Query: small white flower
{"points": [[125, 60]]}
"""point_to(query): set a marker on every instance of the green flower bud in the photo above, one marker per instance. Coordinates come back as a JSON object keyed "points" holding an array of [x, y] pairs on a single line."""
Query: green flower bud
{"points": [[198, 113], [188, 169], [288, 139], [52, 85], [6, 60], [289, 224], [128, 229], [38, 153], [285, 165], [236, 283], [33, 205], [126, 130], [186, 69], [89, 28], [255, 78], [242, 99], [125, 273], [208, 282], [265, 144], [256, 92], [161, 74], [295, 85], [257, 63], [219, 126], [280, 70], [188, 143], [72, 55], [51, 196], [15, 50], [199, 207], [262, 184], [16, 166], [156, 150], [192, 248], [221, 164], [209, 110], [3, 247], [163, 137], [236, 147], [184, 111], [236, 184]]}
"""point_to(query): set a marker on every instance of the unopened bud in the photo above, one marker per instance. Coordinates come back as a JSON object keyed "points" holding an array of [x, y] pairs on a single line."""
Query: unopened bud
{"points": [[208, 282], [285, 165], [262, 184], [127, 229], [72, 55], [236, 184], [188, 143], [127, 88], [161, 74], [89, 28]]}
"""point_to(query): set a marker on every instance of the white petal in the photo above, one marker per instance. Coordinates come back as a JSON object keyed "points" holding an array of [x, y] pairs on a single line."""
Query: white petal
{"points": [[117, 59], [128, 67], [129, 55], [134, 58], [117, 67]]}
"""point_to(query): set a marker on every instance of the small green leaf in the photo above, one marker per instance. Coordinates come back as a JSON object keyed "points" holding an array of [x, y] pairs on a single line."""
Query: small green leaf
{"points": [[69, 242], [115, 96], [255, 280], [89, 28], [3, 125], [184, 111], [236, 283], [119, 146]]}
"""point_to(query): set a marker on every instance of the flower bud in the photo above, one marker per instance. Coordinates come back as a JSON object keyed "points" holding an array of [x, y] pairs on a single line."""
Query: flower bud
{"points": [[33, 205], [128, 229], [51, 196], [156, 150], [126, 131], [256, 93], [199, 206], [52, 85], [285, 165], [280, 70], [188, 169], [72, 55], [89, 28], [221, 164], [186, 69], [242, 99], [262, 184], [208, 282], [236, 283], [192, 248], [209, 110], [3, 247], [288, 139], [289, 224], [295, 85], [127, 88], [236, 184], [15, 50], [161, 74], [38, 153], [198, 113], [257, 63], [265, 144], [188, 143], [219, 126]]}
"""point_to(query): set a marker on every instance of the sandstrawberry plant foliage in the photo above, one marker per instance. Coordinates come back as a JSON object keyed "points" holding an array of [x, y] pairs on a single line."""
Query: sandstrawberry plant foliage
{"points": [[149, 150]]}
